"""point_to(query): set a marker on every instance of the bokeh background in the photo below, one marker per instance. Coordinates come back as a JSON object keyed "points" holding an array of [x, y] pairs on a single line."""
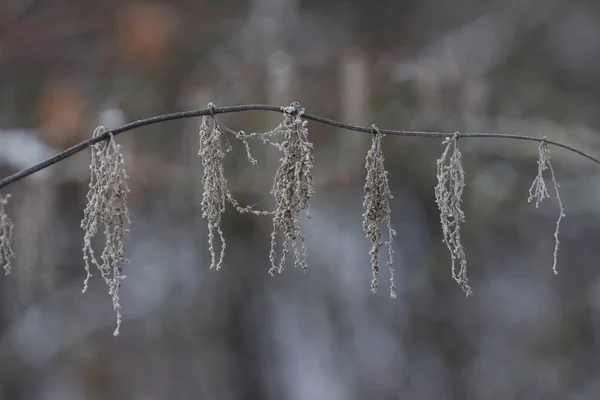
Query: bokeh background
{"points": [[531, 67]]}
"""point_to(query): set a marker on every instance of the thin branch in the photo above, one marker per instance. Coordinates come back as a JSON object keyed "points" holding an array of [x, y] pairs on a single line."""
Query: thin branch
{"points": [[265, 107]]}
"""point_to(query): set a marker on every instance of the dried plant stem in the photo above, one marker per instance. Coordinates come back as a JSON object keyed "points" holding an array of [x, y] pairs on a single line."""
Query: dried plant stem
{"points": [[538, 192], [377, 210], [292, 187], [448, 195], [6, 234], [107, 206], [216, 193]]}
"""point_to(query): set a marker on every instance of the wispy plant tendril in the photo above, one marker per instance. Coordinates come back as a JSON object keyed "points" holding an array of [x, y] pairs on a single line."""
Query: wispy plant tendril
{"points": [[377, 210], [538, 191], [6, 234], [107, 207], [216, 193], [448, 196], [292, 186]]}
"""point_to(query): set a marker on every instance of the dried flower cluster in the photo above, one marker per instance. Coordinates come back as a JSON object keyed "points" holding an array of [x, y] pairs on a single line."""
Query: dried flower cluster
{"points": [[538, 191], [292, 187], [377, 210], [448, 196], [216, 193], [107, 209], [6, 234]]}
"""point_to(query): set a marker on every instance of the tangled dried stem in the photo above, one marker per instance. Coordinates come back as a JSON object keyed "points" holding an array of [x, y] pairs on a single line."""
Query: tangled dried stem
{"points": [[6, 234], [216, 193], [448, 196], [538, 191], [377, 210], [292, 186], [107, 206]]}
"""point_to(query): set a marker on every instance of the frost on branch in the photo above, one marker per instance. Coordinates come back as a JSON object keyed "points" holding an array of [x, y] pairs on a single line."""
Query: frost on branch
{"points": [[448, 196], [377, 210], [538, 191], [216, 193], [6, 234], [106, 209]]}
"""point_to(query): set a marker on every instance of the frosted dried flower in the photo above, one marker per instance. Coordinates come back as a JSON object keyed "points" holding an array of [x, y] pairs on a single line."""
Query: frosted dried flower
{"points": [[448, 196], [6, 234], [215, 190], [107, 207], [292, 186], [538, 191], [377, 210]]}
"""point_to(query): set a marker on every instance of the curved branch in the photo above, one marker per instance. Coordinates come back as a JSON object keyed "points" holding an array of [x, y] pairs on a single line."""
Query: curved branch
{"points": [[264, 107]]}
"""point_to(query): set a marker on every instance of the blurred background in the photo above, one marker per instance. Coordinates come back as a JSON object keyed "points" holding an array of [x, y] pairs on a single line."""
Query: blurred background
{"points": [[188, 332]]}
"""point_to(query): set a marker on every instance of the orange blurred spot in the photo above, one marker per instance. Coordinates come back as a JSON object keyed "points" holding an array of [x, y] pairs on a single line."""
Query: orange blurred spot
{"points": [[61, 111], [145, 31]]}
